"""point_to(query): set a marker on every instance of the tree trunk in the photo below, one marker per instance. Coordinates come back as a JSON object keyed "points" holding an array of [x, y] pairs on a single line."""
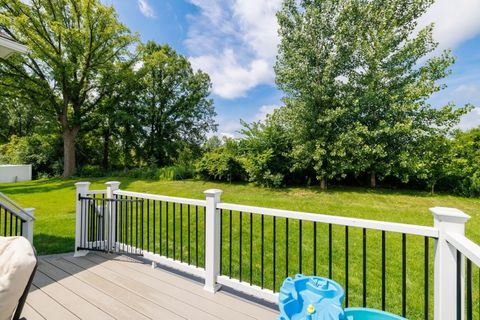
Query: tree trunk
{"points": [[69, 162], [323, 184], [432, 188], [373, 179]]}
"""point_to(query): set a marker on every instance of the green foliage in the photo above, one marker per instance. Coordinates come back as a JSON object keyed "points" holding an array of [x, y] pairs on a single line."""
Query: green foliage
{"points": [[222, 163], [176, 108], [265, 147], [41, 151], [465, 165]]}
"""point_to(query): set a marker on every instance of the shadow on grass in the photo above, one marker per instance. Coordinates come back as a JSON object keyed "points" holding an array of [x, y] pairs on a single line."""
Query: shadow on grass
{"points": [[49, 244], [52, 185]]}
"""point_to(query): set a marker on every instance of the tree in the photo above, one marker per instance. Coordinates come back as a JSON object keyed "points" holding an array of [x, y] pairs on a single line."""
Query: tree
{"points": [[465, 164], [433, 160], [357, 80], [318, 39], [265, 150], [175, 98], [72, 46], [393, 79]]}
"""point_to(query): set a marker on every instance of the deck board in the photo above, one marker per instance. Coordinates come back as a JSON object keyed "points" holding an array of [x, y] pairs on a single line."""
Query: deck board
{"points": [[220, 297], [102, 286]]}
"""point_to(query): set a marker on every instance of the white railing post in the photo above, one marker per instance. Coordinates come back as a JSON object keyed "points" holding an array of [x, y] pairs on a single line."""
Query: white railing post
{"points": [[112, 186], [82, 191], [212, 240], [27, 226], [447, 220]]}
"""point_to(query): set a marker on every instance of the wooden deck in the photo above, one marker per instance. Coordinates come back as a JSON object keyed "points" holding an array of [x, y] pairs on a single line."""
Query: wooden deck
{"points": [[101, 286]]}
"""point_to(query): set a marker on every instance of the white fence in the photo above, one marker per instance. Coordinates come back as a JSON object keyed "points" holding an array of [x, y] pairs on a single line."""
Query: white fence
{"points": [[15, 173], [133, 219]]}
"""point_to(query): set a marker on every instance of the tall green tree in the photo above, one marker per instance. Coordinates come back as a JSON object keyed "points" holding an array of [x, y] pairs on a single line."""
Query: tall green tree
{"points": [[395, 74], [318, 39], [357, 78], [72, 46], [178, 109]]}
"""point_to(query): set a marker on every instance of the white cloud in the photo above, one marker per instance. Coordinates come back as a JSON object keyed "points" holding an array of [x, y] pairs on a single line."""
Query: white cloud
{"points": [[264, 111], [235, 41], [455, 21], [228, 128], [470, 120], [232, 79], [145, 8]]}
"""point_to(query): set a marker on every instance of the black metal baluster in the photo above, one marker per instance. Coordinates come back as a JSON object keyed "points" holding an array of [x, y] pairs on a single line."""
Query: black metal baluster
{"points": [[274, 252], [131, 225], [346, 266], [166, 227], [263, 250], [383, 270], [230, 246], [174, 231], [81, 220], [16, 225], [5, 222], [11, 224], [181, 233], [300, 245], [330, 251], [404, 275], [221, 240], [251, 247], [119, 222], [154, 226], [240, 248], [196, 236], [160, 224], [469, 289], [188, 227], [136, 224], [364, 267], [459, 285], [141, 222], [148, 226], [286, 248], [315, 248], [425, 277]]}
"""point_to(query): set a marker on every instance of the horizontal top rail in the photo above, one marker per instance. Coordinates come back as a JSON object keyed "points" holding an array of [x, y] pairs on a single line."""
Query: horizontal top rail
{"points": [[351, 222], [194, 202], [467, 247], [14, 208]]}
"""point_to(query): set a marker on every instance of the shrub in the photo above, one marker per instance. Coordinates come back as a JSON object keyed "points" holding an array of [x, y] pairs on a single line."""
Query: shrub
{"points": [[222, 163]]}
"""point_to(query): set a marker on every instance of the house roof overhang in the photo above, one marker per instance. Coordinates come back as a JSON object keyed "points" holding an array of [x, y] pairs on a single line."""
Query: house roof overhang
{"points": [[9, 47]]}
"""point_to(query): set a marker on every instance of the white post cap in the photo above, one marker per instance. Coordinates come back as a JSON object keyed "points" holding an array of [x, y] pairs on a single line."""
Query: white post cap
{"points": [[451, 215], [112, 183], [213, 192], [82, 183]]}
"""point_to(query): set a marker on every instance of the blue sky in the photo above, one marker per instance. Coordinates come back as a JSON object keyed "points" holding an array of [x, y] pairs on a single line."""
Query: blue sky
{"points": [[235, 42]]}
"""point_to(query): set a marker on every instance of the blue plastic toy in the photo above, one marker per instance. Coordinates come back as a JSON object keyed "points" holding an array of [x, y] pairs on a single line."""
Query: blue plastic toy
{"points": [[317, 298], [311, 298]]}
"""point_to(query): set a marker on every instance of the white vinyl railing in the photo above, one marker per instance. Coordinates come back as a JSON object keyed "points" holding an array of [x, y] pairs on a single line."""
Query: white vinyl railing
{"points": [[447, 235], [26, 216]]}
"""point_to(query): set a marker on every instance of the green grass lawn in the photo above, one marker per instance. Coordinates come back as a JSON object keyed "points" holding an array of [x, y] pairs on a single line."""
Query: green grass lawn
{"points": [[54, 201]]}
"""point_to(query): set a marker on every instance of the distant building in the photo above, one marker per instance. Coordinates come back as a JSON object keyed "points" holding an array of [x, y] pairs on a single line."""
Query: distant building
{"points": [[9, 46]]}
